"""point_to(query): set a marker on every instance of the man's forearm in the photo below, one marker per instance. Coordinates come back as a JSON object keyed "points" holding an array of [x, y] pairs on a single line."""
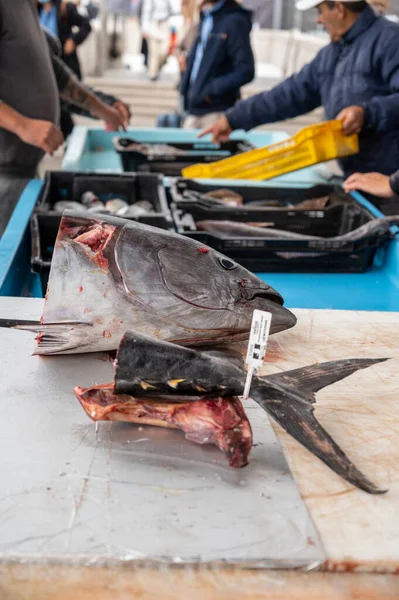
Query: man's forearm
{"points": [[11, 120], [76, 93], [106, 98], [34, 132]]}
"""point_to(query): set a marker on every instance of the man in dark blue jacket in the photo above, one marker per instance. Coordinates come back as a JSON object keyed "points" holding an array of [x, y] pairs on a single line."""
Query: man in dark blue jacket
{"points": [[219, 63], [355, 78]]}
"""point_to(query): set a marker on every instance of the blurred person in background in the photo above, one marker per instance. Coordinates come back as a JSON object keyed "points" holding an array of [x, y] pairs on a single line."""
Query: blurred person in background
{"points": [[155, 15], [381, 7], [190, 12], [355, 78], [219, 63], [65, 22], [262, 11]]}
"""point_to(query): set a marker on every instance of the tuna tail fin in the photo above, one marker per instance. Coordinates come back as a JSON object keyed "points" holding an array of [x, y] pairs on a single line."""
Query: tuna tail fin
{"points": [[53, 338], [309, 380], [291, 401]]}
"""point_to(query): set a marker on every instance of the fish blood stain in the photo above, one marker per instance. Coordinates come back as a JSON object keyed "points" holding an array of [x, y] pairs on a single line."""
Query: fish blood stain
{"points": [[95, 239], [107, 334], [80, 289], [203, 250]]}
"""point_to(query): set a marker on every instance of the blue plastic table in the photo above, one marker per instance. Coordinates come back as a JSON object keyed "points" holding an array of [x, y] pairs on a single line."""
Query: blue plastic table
{"points": [[91, 149]]}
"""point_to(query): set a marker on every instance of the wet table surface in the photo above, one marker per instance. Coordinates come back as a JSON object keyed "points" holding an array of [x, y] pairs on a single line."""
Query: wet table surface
{"points": [[130, 493], [358, 532]]}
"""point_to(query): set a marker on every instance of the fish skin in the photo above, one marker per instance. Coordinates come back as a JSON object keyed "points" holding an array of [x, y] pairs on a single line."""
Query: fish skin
{"points": [[218, 421], [234, 229], [287, 397], [152, 149], [112, 275]]}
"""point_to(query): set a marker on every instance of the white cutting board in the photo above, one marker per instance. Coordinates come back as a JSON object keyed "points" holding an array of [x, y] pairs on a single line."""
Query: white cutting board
{"points": [[359, 532]]}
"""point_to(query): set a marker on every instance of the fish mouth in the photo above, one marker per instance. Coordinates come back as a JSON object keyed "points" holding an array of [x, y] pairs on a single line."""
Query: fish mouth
{"points": [[250, 292], [282, 318]]}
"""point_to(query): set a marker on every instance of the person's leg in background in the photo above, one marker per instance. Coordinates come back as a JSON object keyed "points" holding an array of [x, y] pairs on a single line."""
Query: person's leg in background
{"points": [[165, 43], [11, 189], [144, 50], [158, 47], [153, 57]]}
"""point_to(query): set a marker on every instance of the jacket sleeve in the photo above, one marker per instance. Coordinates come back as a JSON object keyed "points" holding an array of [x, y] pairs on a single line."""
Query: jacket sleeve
{"points": [[240, 53], [75, 19], [295, 96], [382, 112], [394, 182]]}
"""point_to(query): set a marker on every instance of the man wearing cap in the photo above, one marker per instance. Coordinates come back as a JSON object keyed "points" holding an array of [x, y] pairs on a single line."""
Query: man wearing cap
{"points": [[355, 78]]}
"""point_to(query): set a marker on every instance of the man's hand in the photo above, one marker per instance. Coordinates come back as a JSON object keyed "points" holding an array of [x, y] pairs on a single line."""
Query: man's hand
{"points": [[220, 131], [373, 183], [69, 47], [113, 119], [42, 134], [352, 119], [123, 110]]}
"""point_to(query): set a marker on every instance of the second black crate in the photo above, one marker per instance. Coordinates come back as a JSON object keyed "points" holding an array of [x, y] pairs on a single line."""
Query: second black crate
{"points": [[281, 255], [151, 158]]}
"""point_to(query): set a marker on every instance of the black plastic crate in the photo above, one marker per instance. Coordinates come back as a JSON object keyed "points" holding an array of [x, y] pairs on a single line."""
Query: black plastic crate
{"points": [[130, 187], [194, 152], [296, 256], [335, 219], [63, 185], [388, 206]]}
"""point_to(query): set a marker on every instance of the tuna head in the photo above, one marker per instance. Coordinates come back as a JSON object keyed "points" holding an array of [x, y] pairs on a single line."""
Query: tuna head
{"points": [[110, 275]]}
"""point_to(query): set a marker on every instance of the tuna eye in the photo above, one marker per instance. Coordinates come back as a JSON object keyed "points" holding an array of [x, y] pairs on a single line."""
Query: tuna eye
{"points": [[227, 264]]}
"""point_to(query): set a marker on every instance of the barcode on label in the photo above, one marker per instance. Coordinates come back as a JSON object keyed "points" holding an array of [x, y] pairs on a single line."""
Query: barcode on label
{"points": [[260, 331]]}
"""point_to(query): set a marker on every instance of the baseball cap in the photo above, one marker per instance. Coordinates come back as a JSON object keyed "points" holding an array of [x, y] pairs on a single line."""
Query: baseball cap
{"points": [[305, 4]]}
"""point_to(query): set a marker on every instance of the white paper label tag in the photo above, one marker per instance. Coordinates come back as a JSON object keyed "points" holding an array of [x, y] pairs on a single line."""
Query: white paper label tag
{"points": [[257, 346]]}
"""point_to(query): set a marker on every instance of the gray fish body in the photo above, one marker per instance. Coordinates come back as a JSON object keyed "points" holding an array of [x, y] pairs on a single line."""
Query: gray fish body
{"points": [[234, 229], [376, 227], [110, 275]]}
